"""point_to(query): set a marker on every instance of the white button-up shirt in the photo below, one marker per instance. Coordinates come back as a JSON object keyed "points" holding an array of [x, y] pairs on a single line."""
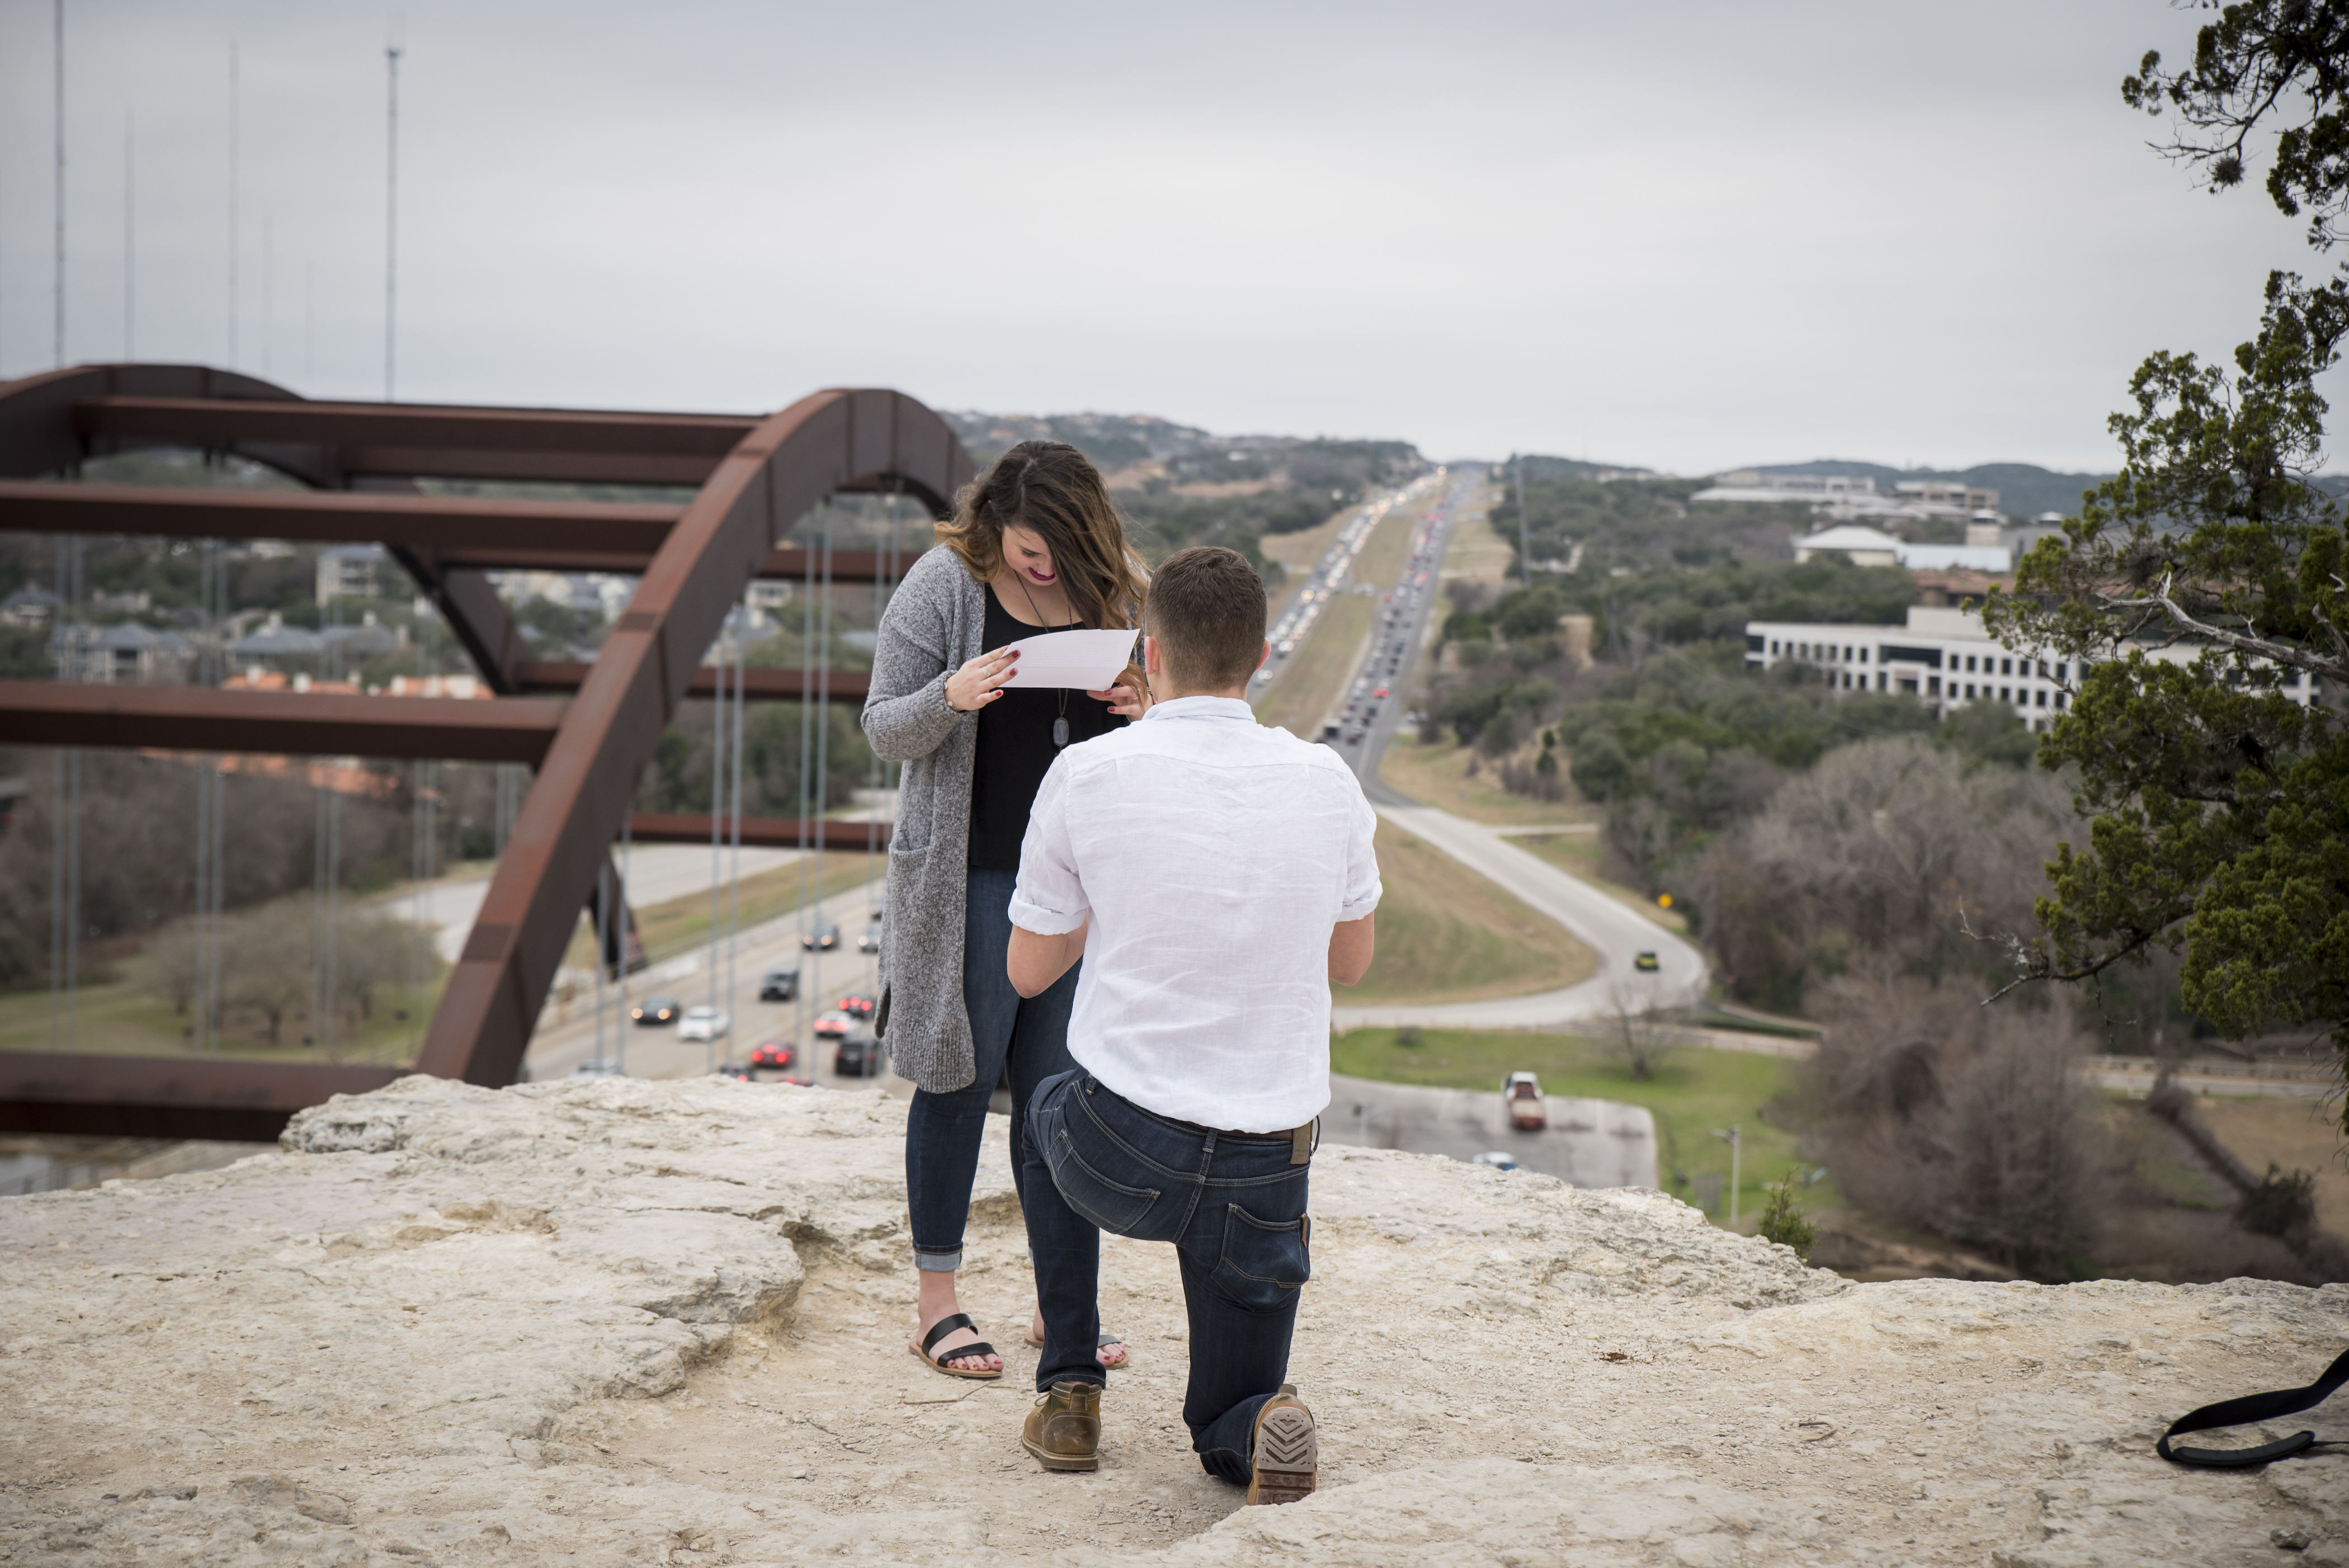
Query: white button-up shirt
{"points": [[1214, 856]]}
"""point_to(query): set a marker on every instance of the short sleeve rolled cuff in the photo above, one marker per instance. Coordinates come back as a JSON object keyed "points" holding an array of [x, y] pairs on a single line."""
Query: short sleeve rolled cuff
{"points": [[1049, 899], [1364, 888]]}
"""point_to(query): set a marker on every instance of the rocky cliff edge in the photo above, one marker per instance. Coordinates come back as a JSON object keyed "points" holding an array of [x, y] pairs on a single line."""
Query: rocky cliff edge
{"points": [[628, 1322]]}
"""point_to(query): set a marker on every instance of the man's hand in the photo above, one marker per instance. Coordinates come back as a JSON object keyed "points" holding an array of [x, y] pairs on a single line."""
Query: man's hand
{"points": [[1035, 962], [1351, 944]]}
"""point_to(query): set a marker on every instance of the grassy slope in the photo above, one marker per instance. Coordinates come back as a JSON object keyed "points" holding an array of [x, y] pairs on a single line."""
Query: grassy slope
{"points": [[1475, 552], [119, 1018], [1438, 775], [1380, 562], [2295, 1134], [1299, 551], [1446, 934], [1694, 1092], [671, 927], [1316, 672]]}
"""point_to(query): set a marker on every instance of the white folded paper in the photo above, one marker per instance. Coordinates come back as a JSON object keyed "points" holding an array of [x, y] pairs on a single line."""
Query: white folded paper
{"points": [[1086, 660]]}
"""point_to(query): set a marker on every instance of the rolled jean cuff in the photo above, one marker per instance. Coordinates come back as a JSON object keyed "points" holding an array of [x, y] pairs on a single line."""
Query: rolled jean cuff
{"points": [[938, 1263]]}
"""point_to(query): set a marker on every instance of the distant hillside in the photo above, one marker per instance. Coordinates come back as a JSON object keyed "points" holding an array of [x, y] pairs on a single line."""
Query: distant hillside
{"points": [[1112, 441], [1538, 467], [1177, 484]]}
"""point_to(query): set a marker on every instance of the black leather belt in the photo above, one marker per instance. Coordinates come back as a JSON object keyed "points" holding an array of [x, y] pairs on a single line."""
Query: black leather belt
{"points": [[1302, 1140]]}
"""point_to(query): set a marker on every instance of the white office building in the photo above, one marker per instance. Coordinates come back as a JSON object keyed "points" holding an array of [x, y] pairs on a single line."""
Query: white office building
{"points": [[1872, 547], [352, 572], [1943, 658]]}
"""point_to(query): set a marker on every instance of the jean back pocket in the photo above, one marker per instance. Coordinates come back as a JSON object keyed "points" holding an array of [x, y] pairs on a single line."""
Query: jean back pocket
{"points": [[1264, 1261], [1112, 1205]]}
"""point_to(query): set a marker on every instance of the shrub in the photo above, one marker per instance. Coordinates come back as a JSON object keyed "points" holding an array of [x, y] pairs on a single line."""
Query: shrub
{"points": [[1967, 1121], [1784, 1222], [2282, 1204]]}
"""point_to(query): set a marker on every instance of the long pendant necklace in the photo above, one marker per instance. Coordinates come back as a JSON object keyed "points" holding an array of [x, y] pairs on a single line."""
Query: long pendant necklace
{"points": [[1059, 724]]}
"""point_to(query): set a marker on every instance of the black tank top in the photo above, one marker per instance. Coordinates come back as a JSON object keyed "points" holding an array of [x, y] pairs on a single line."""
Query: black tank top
{"points": [[1016, 749]]}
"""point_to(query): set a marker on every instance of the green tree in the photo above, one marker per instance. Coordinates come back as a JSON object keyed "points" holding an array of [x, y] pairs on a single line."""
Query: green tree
{"points": [[2202, 590], [1783, 1221]]}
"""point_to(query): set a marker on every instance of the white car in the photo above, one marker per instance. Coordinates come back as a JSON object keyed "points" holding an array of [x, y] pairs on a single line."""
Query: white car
{"points": [[703, 1023]]}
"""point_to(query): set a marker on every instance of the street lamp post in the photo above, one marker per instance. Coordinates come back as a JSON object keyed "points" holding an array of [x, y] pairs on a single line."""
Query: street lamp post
{"points": [[1524, 535], [1731, 1137]]}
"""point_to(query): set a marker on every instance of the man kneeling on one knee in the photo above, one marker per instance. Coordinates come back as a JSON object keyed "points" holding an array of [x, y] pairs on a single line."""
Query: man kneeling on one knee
{"points": [[1214, 876]]}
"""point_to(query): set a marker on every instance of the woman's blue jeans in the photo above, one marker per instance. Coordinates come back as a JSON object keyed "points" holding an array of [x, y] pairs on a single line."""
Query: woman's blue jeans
{"points": [[1030, 1036]]}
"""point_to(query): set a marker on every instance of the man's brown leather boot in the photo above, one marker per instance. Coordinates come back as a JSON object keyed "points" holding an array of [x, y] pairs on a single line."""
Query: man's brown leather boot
{"points": [[1287, 1458], [1063, 1431]]}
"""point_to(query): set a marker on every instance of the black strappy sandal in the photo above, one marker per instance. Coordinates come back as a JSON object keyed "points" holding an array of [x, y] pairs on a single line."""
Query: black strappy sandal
{"points": [[939, 1330], [1104, 1343]]}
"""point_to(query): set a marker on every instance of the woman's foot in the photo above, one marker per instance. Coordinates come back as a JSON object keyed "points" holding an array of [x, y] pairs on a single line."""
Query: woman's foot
{"points": [[936, 1301], [1111, 1355]]}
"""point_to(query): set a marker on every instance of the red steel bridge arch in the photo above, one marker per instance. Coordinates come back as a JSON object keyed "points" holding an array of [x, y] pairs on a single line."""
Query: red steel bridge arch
{"points": [[587, 729]]}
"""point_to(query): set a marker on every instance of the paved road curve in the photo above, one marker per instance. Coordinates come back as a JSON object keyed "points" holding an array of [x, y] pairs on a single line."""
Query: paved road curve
{"points": [[1614, 930]]}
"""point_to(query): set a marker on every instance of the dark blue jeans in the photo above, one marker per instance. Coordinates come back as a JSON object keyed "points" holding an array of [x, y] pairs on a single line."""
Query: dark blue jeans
{"points": [[943, 1130], [1234, 1207]]}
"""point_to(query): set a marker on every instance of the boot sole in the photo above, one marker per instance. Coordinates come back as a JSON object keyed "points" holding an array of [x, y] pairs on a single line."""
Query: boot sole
{"points": [[1287, 1457], [1053, 1462]]}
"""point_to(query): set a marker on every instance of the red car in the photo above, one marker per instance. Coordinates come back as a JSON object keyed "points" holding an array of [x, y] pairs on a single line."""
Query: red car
{"points": [[778, 1054], [857, 1005], [1381, 692], [1523, 1096]]}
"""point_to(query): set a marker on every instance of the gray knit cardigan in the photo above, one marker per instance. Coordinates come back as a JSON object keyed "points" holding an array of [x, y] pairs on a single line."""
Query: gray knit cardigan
{"points": [[934, 624]]}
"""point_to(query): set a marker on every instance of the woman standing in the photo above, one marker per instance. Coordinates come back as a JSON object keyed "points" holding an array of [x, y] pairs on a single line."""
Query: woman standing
{"points": [[1035, 547]]}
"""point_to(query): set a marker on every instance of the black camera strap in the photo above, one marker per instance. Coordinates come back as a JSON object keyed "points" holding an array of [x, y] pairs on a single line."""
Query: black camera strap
{"points": [[2247, 1409]]}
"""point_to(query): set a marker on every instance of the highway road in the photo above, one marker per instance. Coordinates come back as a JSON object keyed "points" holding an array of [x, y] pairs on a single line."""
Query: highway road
{"points": [[1615, 931], [1409, 613], [656, 873], [1327, 580], [567, 1037]]}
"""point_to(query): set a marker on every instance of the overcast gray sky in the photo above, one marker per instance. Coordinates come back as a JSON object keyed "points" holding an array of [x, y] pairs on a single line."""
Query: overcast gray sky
{"points": [[1685, 236]]}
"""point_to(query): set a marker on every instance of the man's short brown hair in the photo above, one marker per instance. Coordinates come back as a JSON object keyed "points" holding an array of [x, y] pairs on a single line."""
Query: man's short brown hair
{"points": [[1207, 608]]}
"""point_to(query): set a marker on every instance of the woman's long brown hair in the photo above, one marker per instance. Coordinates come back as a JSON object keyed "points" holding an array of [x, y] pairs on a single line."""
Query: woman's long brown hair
{"points": [[1053, 490]]}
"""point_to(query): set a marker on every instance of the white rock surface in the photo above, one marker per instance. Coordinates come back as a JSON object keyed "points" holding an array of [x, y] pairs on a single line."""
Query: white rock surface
{"points": [[623, 1322]]}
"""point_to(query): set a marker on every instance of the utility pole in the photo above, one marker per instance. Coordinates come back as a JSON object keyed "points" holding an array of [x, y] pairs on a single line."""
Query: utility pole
{"points": [[1731, 1139], [234, 171], [390, 213], [1525, 548], [59, 135], [129, 235]]}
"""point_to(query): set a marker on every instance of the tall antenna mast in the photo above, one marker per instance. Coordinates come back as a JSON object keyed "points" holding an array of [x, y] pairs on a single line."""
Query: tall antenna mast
{"points": [[60, 95], [390, 213], [1525, 546], [233, 174], [130, 234]]}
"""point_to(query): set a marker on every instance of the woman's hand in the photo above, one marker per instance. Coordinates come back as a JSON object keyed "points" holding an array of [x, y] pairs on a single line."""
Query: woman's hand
{"points": [[975, 685], [1128, 697]]}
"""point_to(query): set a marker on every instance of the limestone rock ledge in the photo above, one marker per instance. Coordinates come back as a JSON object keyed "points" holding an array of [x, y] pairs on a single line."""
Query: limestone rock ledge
{"points": [[621, 1322]]}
